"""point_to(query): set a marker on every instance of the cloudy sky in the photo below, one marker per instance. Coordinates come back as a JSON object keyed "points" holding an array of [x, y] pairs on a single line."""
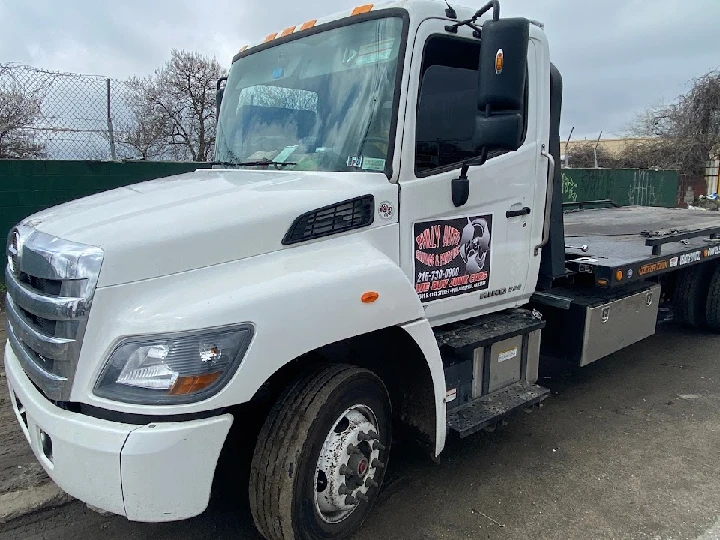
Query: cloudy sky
{"points": [[617, 56]]}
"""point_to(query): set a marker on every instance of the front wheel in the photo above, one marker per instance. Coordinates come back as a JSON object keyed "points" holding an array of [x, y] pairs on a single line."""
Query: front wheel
{"points": [[321, 455]]}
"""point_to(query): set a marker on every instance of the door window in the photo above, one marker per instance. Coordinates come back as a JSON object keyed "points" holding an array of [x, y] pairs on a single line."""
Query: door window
{"points": [[447, 105]]}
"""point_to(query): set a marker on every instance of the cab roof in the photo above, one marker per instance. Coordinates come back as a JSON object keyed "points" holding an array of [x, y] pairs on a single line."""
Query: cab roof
{"points": [[416, 9]]}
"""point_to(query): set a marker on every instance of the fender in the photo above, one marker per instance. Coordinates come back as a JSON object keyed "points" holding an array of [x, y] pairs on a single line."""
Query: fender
{"points": [[422, 333], [299, 299]]}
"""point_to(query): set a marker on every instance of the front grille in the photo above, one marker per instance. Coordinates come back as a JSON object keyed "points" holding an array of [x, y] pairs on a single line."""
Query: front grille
{"points": [[50, 283]]}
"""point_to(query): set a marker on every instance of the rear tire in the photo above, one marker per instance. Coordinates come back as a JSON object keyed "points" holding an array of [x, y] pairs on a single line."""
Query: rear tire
{"points": [[712, 311], [690, 297], [289, 499]]}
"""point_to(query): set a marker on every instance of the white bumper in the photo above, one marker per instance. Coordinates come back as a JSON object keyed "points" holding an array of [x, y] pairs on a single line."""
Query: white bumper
{"points": [[156, 472]]}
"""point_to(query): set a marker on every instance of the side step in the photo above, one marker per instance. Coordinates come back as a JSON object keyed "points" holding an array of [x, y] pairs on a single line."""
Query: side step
{"points": [[486, 410]]}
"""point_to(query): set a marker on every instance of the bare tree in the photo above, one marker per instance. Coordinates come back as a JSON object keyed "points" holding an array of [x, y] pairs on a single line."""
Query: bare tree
{"points": [[683, 134], [176, 107], [582, 156], [144, 134], [20, 110]]}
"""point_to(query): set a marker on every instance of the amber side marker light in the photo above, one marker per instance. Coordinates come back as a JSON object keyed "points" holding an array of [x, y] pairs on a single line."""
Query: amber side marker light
{"points": [[499, 61], [618, 275], [602, 282], [287, 31], [194, 383], [369, 297]]}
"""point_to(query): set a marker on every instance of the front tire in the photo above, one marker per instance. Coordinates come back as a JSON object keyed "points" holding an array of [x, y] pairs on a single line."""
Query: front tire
{"points": [[320, 456]]}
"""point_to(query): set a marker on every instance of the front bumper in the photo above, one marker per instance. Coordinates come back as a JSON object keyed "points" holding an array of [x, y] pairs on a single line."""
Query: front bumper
{"points": [[156, 472]]}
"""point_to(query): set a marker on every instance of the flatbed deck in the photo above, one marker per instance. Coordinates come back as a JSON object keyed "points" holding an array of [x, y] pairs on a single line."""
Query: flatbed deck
{"points": [[623, 245]]}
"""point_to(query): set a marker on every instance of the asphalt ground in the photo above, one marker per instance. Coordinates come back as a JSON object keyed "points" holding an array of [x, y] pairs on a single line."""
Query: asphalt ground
{"points": [[627, 448]]}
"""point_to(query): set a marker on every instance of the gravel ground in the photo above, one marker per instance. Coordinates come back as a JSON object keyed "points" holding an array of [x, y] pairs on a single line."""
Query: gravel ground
{"points": [[627, 448]]}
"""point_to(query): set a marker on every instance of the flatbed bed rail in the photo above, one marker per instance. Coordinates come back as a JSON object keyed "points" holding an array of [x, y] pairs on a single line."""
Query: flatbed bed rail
{"points": [[623, 245]]}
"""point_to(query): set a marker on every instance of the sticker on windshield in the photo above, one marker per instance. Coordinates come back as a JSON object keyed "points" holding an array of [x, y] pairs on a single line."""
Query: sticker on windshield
{"points": [[374, 53], [452, 256], [285, 153], [353, 161], [373, 164]]}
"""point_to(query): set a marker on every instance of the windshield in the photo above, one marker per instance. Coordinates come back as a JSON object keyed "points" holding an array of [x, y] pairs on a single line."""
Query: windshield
{"points": [[320, 103]]}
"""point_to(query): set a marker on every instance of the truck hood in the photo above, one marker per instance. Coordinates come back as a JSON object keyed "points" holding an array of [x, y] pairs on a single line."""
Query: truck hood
{"points": [[199, 219]]}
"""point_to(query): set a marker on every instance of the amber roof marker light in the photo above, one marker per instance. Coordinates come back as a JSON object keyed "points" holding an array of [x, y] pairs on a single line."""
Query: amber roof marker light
{"points": [[359, 10]]}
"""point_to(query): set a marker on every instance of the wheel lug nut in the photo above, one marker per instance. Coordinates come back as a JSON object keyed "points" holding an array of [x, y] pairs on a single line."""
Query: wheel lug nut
{"points": [[363, 497], [352, 449], [377, 464], [371, 483], [373, 434], [350, 500], [362, 436], [378, 446], [345, 470], [343, 490]]}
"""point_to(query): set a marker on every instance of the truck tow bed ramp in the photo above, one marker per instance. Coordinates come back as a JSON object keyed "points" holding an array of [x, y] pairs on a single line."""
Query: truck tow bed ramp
{"points": [[639, 241], [484, 411]]}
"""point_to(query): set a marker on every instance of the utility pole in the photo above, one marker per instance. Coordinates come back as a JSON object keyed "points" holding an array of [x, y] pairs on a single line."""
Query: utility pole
{"points": [[595, 150]]}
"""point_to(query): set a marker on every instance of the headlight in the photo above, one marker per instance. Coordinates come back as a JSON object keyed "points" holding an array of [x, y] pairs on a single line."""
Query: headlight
{"points": [[177, 368]]}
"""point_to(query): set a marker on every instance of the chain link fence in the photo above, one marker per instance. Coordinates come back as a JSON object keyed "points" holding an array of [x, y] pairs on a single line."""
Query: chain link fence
{"points": [[54, 115]]}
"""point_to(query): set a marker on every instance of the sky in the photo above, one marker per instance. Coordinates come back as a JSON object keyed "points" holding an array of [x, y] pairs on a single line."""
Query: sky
{"points": [[617, 57]]}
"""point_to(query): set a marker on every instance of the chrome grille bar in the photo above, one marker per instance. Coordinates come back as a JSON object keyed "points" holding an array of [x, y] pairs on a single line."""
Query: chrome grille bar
{"points": [[52, 347], [53, 386], [46, 325], [48, 307]]}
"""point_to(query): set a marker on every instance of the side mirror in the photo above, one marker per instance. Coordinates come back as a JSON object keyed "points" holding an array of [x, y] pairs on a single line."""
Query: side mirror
{"points": [[502, 131], [220, 91], [501, 87]]}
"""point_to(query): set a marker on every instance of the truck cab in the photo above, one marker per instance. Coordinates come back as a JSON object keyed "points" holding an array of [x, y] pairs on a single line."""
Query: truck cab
{"points": [[372, 256]]}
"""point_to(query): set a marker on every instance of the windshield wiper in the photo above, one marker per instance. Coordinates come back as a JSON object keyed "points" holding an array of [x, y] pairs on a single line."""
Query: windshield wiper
{"points": [[257, 163]]}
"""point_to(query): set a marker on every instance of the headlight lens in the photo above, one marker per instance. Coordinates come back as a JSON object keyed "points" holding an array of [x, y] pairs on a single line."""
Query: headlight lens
{"points": [[170, 369]]}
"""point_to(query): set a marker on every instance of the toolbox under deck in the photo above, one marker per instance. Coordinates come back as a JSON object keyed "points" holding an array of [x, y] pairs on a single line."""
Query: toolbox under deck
{"points": [[616, 240]]}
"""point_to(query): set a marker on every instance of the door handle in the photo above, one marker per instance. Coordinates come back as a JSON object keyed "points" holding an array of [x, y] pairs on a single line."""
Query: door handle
{"points": [[517, 213]]}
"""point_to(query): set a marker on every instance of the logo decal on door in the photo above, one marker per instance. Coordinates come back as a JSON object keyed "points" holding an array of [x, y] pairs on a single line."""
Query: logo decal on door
{"points": [[452, 256]]}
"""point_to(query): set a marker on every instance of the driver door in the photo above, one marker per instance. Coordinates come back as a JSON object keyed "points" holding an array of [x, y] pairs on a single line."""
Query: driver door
{"points": [[479, 257]]}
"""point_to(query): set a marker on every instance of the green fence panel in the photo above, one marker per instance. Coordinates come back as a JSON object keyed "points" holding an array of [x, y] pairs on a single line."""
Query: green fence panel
{"points": [[625, 187], [28, 186]]}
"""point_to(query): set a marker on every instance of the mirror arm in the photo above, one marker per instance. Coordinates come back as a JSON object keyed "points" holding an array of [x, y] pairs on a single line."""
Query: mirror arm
{"points": [[453, 28], [493, 4]]}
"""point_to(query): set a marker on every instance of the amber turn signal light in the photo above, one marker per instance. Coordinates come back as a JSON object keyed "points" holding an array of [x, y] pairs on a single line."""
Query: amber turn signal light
{"points": [[369, 297], [192, 384]]}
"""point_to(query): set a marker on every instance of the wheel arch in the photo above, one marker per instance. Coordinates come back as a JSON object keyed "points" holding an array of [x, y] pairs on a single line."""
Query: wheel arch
{"points": [[399, 355]]}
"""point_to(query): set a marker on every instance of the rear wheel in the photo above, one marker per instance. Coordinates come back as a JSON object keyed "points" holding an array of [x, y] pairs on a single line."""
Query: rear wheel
{"points": [[320, 457], [690, 297], [712, 311]]}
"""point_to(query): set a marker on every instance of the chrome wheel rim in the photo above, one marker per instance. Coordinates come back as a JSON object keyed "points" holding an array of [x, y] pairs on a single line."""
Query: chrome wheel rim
{"points": [[347, 465]]}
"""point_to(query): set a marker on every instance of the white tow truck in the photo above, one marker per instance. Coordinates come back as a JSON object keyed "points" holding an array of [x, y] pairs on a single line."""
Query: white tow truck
{"points": [[376, 254]]}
